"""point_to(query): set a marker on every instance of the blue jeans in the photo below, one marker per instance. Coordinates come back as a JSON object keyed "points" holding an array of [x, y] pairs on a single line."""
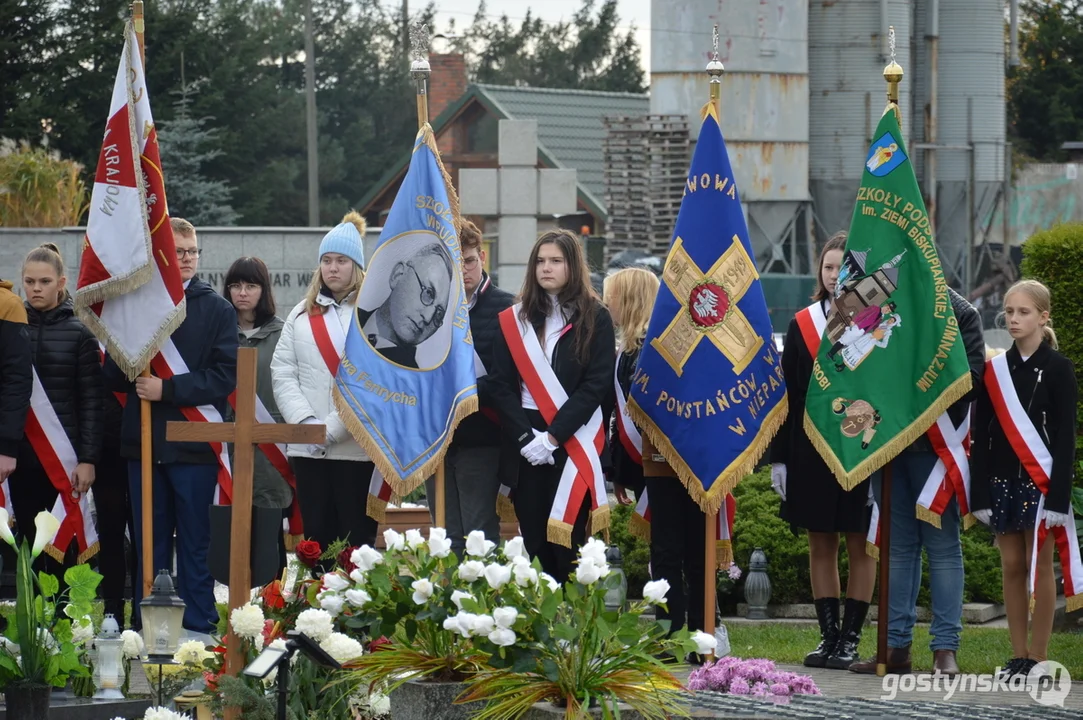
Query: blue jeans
{"points": [[183, 494], [909, 471]]}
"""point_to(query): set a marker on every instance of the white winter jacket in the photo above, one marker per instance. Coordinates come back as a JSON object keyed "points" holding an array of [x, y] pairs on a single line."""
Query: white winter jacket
{"points": [[302, 383]]}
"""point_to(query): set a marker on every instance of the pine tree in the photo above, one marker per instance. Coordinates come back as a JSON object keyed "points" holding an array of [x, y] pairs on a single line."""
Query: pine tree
{"points": [[186, 144]]}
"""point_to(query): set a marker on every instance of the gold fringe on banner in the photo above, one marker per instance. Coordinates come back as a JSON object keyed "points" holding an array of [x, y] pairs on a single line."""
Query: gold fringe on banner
{"points": [[710, 501], [887, 453], [924, 513], [376, 508], [639, 527], [724, 554]]}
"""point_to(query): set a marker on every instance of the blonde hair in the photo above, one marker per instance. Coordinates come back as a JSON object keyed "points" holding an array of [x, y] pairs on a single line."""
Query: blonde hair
{"points": [[180, 226], [49, 254], [636, 288], [1039, 294]]}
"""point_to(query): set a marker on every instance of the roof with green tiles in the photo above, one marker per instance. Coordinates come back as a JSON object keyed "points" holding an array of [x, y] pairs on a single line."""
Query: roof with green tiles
{"points": [[571, 133]]}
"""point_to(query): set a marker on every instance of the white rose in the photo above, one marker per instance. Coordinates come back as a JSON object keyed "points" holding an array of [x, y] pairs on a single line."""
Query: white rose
{"points": [[587, 573], [514, 548], [342, 648], [133, 644], [705, 644], [358, 598], [394, 540], [423, 590], [594, 551], [502, 637], [451, 624], [331, 602], [525, 576], [358, 576], [247, 622], [334, 581], [161, 713], [497, 575], [193, 652], [315, 623], [366, 558], [414, 539], [463, 624], [458, 596], [482, 625], [437, 533], [505, 617], [477, 545], [82, 630], [550, 581], [471, 570], [439, 547], [655, 591]]}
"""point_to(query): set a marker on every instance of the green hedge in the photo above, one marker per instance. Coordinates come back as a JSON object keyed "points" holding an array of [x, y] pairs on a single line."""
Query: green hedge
{"points": [[1055, 257]]}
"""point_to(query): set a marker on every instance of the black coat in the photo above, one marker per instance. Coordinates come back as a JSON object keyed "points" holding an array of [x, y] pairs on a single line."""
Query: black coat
{"points": [[588, 385], [1046, 386], [626, 471], [480, 429], [15, 377], [207, 340], [65, 354]]}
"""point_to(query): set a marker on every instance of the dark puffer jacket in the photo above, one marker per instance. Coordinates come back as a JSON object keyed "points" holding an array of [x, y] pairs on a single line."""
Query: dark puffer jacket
{"points": [[480, 429], [65, 355]]}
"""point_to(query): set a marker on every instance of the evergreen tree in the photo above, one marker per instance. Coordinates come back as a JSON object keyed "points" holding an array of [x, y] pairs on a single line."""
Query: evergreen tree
{"points": [[185, 146]]}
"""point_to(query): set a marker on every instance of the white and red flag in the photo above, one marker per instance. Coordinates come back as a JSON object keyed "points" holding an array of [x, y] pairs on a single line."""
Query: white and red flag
{"points": [[130, 292]]}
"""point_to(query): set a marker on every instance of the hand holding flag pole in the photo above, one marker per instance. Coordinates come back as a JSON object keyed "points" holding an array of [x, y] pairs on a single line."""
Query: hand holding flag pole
{"points": [[420, 72]]}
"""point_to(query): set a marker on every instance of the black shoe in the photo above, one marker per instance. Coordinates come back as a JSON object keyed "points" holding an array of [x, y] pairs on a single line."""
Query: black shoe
{"points": [[845, 652], [827, 613], [1012, 667], [1026, 666]]}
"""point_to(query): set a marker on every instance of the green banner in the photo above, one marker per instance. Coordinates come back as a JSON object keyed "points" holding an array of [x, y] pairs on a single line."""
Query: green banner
{"points": [[891, 358]]}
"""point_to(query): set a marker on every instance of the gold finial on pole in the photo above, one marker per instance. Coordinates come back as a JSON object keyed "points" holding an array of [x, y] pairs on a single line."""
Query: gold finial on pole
{"points": [[715, 68], [893, 73], [137, 23], [420, 70]]}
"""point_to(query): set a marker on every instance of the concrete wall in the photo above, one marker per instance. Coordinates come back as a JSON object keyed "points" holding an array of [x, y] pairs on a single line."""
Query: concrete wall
{"points": [[290, 254]]}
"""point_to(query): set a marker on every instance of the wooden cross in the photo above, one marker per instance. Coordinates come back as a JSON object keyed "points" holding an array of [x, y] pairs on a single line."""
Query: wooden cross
{"points": [[245, 433]]}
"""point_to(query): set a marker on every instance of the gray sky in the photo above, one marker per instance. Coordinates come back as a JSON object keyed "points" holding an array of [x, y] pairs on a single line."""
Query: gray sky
{"points": [[632, 12]]}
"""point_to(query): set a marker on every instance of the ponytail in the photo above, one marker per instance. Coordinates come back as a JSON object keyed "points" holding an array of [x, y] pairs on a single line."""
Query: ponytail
{"points": [[1048, 336]]}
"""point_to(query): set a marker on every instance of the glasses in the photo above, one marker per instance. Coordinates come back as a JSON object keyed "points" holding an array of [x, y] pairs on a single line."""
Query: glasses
{"points": [[193, 252], [247, 287], [428, 297], [469, 263]]}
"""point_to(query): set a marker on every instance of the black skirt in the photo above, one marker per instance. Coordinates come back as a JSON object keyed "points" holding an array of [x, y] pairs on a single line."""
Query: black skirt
{"points": [[816, 502], [1014, 504]]}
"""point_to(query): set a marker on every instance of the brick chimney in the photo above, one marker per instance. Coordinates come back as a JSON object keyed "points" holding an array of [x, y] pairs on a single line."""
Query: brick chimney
{"points": [[447, 82]]}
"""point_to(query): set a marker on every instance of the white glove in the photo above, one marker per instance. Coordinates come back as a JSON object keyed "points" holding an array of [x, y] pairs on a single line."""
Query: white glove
{"points": [[536, 452], [985, 517], [778, 479], [1054, 519]]}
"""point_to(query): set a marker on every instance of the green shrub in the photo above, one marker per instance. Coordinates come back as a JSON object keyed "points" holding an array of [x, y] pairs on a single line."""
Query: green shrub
{"points": [[1055, 257]]}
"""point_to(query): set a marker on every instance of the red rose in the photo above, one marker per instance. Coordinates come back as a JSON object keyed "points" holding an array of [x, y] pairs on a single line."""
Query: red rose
{"points": [[308, 552], [344, 561], [211, 679], [272, 596], [379, 643]]}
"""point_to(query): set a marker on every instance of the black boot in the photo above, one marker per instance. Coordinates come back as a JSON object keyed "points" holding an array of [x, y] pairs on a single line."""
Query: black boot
{"points": [[827, 612], [846, 651]]}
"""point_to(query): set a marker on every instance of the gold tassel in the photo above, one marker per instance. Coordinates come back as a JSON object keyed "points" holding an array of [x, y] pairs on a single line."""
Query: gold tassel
{"points": [[54, 552], [1071, 604], [505, 509], [924, 513], [872, 551], [599, 519], [639, 527], [559, 532], [896, 445], [968, 521], [724, 554], [88, 553], [376, 508], [710, 500]]}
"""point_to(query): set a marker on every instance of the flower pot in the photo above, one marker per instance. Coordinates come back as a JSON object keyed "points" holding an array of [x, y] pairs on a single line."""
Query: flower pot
{"points": [[421, 700], [551, 711], [27, 702]]}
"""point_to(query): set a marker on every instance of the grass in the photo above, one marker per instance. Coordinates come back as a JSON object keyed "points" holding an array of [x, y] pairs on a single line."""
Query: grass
{"points": [[981, 650]]}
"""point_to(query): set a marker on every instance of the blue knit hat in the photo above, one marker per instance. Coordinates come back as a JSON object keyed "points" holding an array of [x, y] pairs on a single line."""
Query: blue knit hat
{"points": [[346, 239]]}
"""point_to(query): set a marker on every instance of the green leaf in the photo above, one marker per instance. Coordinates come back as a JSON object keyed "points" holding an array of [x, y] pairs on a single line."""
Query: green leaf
{"points": [[411, 629], [549, 607], [524, 662], [49, 584], [471, 605], [550, 670], [82, 583], [565, 632]]}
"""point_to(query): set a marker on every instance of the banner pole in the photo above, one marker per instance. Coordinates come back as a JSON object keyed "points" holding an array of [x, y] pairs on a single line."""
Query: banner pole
{"points": [[146, 440], [710, 560]]}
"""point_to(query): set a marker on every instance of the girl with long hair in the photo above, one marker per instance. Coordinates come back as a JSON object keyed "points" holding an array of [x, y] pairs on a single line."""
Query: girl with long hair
{"points": [[557, 342], [248, 289], [65, 357], [812, 498], [332, 477], [1011, 495]]}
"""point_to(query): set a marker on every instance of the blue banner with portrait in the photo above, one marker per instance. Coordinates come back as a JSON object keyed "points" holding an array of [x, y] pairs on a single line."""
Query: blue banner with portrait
{"points": [[708, 391], [407, 373]]}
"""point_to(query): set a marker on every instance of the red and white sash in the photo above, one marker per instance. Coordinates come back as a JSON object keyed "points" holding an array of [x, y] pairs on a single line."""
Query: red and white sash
{"points": [[167, 363], [626, 429], [811, 322], [640, 526], [950, 476], [582, 472], [57, 456], [331, 341], [276, 454], [872, 539], [1038, 463]]}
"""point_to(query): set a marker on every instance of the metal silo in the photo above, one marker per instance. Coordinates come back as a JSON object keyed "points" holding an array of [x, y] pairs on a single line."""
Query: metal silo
{"points": [[765, 100], [847, 52]]}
